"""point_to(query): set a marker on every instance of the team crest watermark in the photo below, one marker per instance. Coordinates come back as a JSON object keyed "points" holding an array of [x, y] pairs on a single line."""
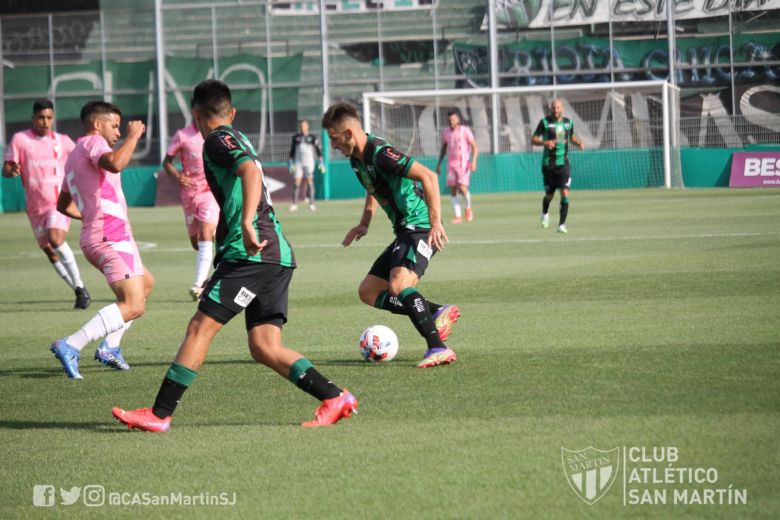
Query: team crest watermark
{"points": [[590, 472]]}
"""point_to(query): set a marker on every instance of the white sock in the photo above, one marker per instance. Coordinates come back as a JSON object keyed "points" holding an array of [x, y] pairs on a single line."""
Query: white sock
{"points": [[69, 261], [115, 338], [468, 199], [456, 205], [203, 261], [107, 320], [62, 272]]}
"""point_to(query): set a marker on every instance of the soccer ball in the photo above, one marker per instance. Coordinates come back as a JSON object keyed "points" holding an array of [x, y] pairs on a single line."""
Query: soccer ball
{"points": [[378, 343]]}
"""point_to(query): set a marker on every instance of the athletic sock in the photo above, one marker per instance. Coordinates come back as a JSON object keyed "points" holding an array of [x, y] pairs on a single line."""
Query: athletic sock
{"points": [[60, 269], [107, 320], [310, 189], [421, 317], [467, 196], [307, 378], [546, 205], [69, 261], [564, 210], [295, 194], [386, 302], [115, 338], [456, 206], [203, 261], [178, 379]]}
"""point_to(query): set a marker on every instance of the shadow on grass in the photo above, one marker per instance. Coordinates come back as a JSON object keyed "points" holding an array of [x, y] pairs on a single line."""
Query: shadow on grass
{"points": [[113, 426]]}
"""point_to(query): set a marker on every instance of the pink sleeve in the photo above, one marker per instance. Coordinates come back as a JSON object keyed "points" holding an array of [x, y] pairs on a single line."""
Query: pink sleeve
{"points": [[469, 135], [69, 144], [98, 147], [176, 142], [12, 153]]}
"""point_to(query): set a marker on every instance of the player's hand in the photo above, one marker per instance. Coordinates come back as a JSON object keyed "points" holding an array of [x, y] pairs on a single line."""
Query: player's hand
{"points": [[290, 167], [437, 237], [354, 234], [184, 181], [16, 170], [550, 144], [251, 244], [321, 168], [135, 129], [581, 145], [473, 166]]}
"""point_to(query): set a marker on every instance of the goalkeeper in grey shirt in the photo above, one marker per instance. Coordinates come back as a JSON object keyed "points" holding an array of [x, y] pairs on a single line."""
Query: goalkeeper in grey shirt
{"points": [[303, 152]]}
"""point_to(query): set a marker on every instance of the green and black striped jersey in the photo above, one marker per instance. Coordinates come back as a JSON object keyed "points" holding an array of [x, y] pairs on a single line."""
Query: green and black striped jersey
{"points": [[383, 172], [559, 131], [223, 151]]}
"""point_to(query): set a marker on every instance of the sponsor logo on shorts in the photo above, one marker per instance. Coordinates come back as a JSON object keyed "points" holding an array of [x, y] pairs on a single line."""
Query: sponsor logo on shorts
{"points": [[424, 249], [244, 297]]}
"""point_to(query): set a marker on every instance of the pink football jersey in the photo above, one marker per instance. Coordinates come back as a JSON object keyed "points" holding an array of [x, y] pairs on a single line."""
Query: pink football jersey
{"points": [[97, 193], [458, 146], [42, 162], [187, 143]]}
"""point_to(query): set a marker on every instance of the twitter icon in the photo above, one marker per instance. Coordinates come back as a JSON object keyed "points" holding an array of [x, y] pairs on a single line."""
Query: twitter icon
{"points": [[69, 497]]}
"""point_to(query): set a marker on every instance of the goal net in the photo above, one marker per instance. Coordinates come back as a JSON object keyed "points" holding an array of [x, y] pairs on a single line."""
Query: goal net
{"points": [[630, 131]]}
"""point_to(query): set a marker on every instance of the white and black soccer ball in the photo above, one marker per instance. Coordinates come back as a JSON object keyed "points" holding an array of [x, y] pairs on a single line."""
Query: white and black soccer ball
{"points": [[378, 343]]}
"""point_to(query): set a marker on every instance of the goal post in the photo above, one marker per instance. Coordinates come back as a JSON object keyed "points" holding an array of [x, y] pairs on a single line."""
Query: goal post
{"points": [[630, 130]]}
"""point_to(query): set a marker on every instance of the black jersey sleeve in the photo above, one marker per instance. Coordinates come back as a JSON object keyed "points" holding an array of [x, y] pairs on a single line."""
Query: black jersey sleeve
{"points": [[224, 150], [539, 129], [390, 161]]}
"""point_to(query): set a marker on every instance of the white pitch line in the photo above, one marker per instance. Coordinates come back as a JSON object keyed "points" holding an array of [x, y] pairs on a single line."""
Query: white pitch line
{"points": [[151, 247]]}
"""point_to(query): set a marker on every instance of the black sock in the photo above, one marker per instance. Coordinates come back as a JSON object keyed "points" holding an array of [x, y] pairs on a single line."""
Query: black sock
{"points": [[418, 311], [167, 398], [546, 205], [564, 210], [308, 379], [386, 302]]}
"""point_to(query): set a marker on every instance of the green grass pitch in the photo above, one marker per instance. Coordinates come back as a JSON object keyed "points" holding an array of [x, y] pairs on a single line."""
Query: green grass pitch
{"points": [[654, 323]]}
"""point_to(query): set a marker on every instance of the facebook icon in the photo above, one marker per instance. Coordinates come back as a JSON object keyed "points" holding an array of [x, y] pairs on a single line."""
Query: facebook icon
{"points": [[43, 496]]}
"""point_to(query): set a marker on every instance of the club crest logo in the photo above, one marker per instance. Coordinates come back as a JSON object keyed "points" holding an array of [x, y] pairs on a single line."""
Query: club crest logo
{"points": [[590, 472]]}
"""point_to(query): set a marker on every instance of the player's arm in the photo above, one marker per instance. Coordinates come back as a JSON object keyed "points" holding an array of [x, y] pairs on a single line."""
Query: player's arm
{"points": [[359, 231], [117, 160], [537, 137], [66, 206], [251, 190], [441, 157], [174, 173], [576, 140], [474, 153], [430, 183], [11, 169]]}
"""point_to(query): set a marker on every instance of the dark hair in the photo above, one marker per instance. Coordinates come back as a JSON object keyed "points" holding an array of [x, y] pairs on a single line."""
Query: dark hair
{"points": [[338, 113], [98, 108], [212, 97], [42, 104], [453, 113]]}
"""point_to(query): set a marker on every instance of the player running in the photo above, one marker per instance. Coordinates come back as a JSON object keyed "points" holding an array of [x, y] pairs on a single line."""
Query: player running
{"points": [[458, 143], [301, 163], [201, 211], [554, 133], [92, 192], [389, 178], [38, 154], [255, 264]]}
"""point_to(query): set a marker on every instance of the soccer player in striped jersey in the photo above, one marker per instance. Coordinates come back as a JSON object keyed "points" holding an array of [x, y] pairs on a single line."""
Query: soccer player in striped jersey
{"points": [[255, 264], [390, 179], [459, 144], [38, 155], [554, 133]]}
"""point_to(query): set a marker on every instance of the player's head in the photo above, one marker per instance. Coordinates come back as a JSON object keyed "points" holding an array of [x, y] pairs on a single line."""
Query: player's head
{"points": [[454, 118], [43, 116], [343, 125], [99, 117], [212, 105], [556, 108], [303, 124]]}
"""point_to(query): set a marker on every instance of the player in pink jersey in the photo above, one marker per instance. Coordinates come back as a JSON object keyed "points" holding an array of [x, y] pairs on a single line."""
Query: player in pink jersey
{"points": [[92, 191], [201, 211], [458, 143], [38, 155]]}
